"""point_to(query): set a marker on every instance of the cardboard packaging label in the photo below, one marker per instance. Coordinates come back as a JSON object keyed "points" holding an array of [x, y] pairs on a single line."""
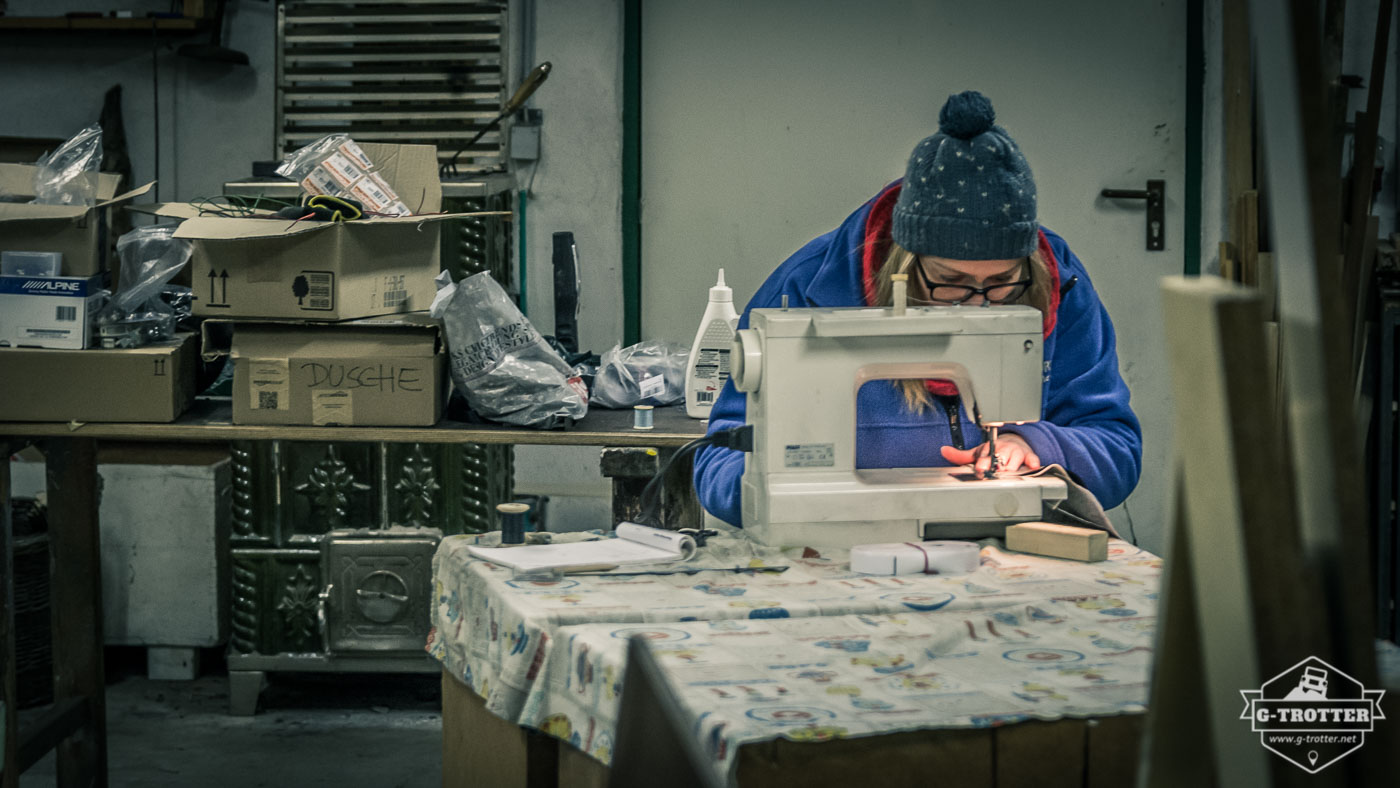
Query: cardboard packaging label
{"points": [[48, 312], [154, 383], [375, 372]]}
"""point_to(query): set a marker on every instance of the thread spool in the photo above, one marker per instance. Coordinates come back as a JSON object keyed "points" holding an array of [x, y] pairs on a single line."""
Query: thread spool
{"points": [[512, 522], [899, 298], [642, 417]]}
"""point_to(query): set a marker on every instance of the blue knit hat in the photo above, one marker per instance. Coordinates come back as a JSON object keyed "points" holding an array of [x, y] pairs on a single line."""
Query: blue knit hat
{"points": [[968, 192]]}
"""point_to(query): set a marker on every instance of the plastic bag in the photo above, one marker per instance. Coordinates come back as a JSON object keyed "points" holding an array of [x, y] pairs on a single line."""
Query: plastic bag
{"points": [[138, 313], [500, 363], [68, 175], [335, 165], [647, 373]]}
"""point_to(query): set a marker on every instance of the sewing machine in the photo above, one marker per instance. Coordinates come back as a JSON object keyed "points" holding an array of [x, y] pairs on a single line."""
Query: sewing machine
{"points": [[802, 369]]}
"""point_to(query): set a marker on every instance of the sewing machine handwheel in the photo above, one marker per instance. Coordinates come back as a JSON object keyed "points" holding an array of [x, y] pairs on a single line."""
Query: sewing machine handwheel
{"points": [[746, 360]]}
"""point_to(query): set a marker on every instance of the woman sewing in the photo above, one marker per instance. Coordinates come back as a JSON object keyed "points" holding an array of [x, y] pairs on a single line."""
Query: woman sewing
{"points": [[962, 226]]}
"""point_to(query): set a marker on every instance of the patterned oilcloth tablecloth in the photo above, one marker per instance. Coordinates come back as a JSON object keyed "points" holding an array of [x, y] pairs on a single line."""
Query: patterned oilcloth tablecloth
{"points": [[811, 652]]}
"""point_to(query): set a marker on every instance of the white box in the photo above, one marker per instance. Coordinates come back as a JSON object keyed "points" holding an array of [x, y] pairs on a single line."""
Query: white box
{"points": [[164, 520], [48, 312]]}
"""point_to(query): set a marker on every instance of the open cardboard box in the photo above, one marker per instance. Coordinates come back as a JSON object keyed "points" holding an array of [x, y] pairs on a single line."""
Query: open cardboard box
{"points": [[153, 383], [388, 371], [78, 232], [311, 270]]}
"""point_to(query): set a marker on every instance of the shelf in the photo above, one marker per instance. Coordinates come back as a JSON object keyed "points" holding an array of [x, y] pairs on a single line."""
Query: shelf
{"points": [[108, 24], [211, 421]]}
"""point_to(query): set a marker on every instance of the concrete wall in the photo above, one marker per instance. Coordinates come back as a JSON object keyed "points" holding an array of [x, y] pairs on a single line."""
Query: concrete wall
{"points": [[577, 187], [214, 119]]}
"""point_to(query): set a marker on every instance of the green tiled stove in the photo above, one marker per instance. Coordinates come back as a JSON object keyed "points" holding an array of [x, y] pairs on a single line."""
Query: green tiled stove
{"points": [[332, 543]]}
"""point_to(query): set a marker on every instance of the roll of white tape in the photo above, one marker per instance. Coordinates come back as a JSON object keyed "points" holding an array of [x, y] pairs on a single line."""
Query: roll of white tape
{"points": [[941, 557]]}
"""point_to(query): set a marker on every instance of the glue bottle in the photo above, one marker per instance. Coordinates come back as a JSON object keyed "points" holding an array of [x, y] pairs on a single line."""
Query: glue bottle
{"points": [[708, 368]]}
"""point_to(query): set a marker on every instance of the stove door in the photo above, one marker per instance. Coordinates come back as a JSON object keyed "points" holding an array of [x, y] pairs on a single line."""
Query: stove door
{"points": [[378, 592]]}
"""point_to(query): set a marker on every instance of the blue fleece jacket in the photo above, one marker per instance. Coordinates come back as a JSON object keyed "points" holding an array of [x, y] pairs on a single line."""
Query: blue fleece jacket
{"points": [[1087, 425]]}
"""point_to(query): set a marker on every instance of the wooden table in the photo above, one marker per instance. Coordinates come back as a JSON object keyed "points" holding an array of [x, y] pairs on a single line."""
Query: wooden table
{"points": [[76, 723]]}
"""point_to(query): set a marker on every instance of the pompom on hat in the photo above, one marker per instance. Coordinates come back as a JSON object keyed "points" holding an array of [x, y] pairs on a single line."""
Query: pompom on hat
{"points": [[968, 193]]}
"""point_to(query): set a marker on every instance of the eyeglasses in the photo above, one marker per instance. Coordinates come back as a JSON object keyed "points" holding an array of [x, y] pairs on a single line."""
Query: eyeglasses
{"points": [[944, 293]]}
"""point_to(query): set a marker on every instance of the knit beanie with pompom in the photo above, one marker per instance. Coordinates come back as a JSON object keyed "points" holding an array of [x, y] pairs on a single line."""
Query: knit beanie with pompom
{"points": [[968, 192]]}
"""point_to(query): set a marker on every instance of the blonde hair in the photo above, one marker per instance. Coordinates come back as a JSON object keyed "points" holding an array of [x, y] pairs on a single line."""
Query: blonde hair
{"points": [[899, 260]]}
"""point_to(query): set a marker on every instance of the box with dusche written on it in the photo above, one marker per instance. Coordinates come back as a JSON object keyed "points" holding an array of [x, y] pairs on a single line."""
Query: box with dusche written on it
{"points": [[371, 372], [154, 383], [303, 269], [48, 311]]}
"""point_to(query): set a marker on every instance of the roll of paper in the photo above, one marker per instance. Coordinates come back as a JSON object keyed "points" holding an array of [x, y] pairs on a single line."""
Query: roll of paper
{"points": [[941, 557], [673, 541]]}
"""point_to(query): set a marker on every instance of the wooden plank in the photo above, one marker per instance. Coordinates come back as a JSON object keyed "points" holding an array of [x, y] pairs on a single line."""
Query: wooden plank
{"points": [[1242, 541], [1112, 748], [76, 591], [1304, 188], [1041, 754], [481, 750], [1238, 116], [9, 723], [210, 422], [61, 720], [965, 758], [1268, 284], [578, 769], [1364, 143], [1248, 241]]}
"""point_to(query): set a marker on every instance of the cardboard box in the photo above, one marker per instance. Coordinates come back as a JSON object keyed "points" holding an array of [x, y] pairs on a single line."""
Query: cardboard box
{"points": [[374, 372], [51, 312], [152, 383], [79, 233], [309, 270]]}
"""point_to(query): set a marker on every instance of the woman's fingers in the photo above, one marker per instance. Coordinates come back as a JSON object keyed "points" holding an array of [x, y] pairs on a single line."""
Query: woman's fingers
{"points": [[956, 456], [1012, 455]]}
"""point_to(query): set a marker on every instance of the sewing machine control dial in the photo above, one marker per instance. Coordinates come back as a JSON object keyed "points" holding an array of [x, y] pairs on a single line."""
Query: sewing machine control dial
{"points": [[746, 360]]}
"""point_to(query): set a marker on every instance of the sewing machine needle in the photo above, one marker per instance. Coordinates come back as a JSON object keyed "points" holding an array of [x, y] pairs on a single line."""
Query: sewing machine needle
{"points": [[992, 447]]}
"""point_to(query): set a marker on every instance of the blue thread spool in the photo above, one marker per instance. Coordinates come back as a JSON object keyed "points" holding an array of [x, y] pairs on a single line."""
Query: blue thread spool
{"points": [[512, 522], [642, 417]]}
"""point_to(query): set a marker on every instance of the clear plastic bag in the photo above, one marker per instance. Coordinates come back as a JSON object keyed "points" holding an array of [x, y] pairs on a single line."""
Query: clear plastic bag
{"points": [[337, 166], [68, 175], [500, 363], [138, 313], [647, 373]]}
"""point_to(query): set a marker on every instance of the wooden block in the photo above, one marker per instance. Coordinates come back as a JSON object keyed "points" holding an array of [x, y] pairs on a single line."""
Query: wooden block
{"points": [[1227, 261], [1058, 541]]}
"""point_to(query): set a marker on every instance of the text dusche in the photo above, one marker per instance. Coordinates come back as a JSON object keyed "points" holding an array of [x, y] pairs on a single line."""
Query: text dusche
{"points": [[381, 377]]}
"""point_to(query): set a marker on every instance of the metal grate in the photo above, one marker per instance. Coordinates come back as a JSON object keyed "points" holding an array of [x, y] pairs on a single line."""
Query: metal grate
{"points": [[425, 71]]}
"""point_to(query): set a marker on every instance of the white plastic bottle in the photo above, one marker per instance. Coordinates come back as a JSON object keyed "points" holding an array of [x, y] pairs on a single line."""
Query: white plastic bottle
{"points": [[708, 368]]}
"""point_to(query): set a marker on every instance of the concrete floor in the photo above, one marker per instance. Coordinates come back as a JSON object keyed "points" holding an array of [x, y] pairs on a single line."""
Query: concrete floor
{"points": [[312, 730]]}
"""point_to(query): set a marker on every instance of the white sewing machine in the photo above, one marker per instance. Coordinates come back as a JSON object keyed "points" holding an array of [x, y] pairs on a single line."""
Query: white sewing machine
{"points": [[802, 369]]}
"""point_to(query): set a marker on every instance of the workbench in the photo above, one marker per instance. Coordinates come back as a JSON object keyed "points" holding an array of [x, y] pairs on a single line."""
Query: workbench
{"points": [[75, 724], [975, 674]]}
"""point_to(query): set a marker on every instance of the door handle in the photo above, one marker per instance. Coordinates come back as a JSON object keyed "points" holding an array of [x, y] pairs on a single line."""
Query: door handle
{"points": [[1156, 210]]}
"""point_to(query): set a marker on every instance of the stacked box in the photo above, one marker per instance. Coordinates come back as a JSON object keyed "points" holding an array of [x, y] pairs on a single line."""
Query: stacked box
{"points": [[374, 371], [312, 270]]}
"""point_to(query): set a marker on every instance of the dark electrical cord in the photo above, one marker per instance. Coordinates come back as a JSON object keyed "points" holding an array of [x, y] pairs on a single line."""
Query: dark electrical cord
{"points": [[737, 438]]}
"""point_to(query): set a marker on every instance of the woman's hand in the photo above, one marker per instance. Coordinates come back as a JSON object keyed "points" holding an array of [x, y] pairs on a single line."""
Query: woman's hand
{"points": [[1013, 454]]}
